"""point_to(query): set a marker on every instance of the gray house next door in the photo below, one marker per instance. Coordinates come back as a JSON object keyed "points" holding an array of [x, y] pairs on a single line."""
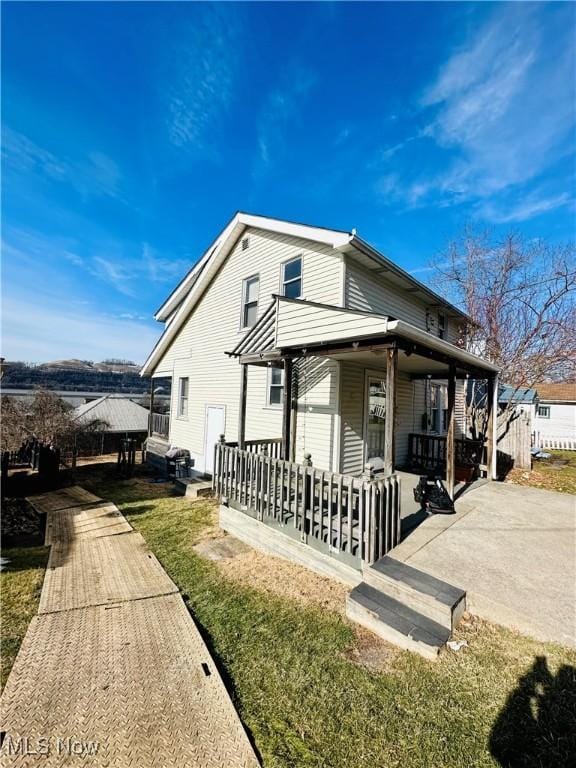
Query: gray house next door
{"points": [[215, 426]]}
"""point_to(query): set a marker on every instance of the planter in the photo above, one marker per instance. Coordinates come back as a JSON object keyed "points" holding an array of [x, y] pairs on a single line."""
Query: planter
{"points": [[465, 474]]}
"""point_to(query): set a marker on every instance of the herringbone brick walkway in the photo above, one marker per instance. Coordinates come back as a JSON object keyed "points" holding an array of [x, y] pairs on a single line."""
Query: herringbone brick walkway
{"points": [[113, 671]]}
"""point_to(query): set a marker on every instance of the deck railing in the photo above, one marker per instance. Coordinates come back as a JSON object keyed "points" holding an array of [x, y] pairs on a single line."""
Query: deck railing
{"points": [[272, 446], [353, 519], [429, 452], [161, 424]]}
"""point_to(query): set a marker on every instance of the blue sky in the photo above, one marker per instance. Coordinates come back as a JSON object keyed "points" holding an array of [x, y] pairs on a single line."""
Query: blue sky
{"points": [[133, 131]]}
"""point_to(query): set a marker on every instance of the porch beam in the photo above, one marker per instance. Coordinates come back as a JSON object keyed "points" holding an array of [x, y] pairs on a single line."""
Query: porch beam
{"points": [[287, 409], [242, 410], [261, 358], [389, 425], [450, 434]]}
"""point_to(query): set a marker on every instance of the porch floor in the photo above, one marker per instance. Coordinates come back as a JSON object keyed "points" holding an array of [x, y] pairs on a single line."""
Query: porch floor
{"points": [[410, 511]]}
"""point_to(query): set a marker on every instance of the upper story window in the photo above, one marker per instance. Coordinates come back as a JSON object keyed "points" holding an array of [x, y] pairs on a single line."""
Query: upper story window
{"points": [[543, 412], [183, 397], [292, 278], [441, 325], [275, 386], [250, 290]]}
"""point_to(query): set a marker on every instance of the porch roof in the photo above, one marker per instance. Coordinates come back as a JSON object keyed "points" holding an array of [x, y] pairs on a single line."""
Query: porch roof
{"points": [[294, 327]]}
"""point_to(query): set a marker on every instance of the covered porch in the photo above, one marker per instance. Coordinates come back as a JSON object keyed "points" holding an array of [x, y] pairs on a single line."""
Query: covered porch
{"points": [[296, 336]]}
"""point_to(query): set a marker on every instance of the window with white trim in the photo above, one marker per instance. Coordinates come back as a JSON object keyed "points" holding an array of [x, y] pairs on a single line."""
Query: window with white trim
{"points": [[292, 278], [275, 386], [183, 397], [250, 289], [543, 412]]}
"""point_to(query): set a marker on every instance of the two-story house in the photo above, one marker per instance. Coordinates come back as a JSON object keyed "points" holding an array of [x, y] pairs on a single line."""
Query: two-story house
{"points": [[307, 368]]}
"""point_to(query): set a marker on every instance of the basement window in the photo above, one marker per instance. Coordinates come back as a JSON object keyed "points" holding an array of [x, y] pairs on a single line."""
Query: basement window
{"points": [[292, 278], [250, 289]]}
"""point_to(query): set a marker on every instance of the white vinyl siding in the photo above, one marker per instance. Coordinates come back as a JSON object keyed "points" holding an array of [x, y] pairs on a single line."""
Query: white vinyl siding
{"points": [[369, 292], [561, 422], [317, 416], [198, 351], [352, 416]]}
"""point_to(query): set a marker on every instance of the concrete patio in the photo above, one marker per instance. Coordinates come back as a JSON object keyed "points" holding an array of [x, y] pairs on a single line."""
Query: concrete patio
{"points": [[513, 549]]}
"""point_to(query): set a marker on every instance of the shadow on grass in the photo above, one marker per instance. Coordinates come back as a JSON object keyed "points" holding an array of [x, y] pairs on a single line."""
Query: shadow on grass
{"points": [[537, 726]]}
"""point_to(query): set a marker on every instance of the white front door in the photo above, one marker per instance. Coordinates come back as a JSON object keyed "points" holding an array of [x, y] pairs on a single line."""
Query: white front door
{"points": [[215, 426]]}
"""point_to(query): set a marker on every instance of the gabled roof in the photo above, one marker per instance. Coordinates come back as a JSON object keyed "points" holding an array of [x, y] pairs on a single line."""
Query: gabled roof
{"points": [[182, 300], [118, 413], [562, 392]]}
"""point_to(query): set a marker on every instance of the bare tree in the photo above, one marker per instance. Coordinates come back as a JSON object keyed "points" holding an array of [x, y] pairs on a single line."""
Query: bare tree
{"points": [[13, 420], [521, 297]]}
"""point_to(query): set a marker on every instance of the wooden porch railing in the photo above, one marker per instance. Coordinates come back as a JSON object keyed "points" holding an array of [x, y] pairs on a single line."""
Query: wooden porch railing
{"points": [[353, 519], [272, 447], [429, 452], [161, 424]]}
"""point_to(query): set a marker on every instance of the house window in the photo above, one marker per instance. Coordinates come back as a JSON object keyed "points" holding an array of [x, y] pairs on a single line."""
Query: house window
{"points": [[543, 412], [250, 301], [441, 326], [183, 397], [292, 278], [275, 386]]}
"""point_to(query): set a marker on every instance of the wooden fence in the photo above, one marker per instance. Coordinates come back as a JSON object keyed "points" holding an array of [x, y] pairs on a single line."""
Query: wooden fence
{"points": [[514, 438], [353, 519]]}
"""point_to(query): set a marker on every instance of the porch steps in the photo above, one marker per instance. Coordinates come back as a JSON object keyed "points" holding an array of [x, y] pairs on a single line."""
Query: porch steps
{"points": [[395, 622], [433, 598], [194, 487]]}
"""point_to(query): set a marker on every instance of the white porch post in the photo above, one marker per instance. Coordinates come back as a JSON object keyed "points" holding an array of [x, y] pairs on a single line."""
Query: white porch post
{"points": [[389, 426]]}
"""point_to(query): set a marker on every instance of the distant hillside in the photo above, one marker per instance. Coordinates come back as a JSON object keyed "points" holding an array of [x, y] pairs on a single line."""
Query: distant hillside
{"points": [[84, 375]]}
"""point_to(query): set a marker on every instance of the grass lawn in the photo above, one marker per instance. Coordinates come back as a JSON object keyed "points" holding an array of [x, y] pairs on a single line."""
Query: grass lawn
{"points": [[296, 673], [555, 474], [20, 588]]}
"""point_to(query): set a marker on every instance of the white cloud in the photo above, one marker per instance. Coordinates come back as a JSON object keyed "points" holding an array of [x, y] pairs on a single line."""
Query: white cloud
{"points": [[94, 175], [530, 206], [502, 114], [40, 332], [201, 80]]}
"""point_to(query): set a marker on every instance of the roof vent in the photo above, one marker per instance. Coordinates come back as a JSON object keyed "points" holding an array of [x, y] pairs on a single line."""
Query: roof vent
{"points": [[245, 243]]}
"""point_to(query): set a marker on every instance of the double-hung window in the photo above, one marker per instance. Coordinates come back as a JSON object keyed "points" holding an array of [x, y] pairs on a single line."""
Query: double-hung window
{"points": [[183, 398], [275, 386], [250, 301], [292, 278]]}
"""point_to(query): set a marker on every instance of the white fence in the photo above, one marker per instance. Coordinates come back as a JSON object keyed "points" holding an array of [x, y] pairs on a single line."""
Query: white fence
{"points": [[558, 443]]}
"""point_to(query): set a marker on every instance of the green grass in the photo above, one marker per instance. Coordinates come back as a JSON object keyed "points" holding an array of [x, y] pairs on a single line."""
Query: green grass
{"points": [[20, 587], [547, 474], [305, 704]]}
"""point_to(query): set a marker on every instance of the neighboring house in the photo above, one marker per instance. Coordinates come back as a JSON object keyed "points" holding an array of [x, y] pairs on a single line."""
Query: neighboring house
{"points": [[113, 419], [327, 368], [554, 416]]}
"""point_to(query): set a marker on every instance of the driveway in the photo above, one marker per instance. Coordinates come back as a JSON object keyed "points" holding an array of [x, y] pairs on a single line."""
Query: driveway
{"points": [[513, 549]]}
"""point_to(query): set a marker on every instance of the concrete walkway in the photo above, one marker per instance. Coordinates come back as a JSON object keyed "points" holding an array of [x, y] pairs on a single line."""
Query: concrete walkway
{"points": [[513, 549], [113, 671]]}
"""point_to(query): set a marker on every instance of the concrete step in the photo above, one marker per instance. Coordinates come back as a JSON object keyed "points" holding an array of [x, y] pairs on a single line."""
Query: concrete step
{"points": [[429, 596], [194, 487], [395, 622]]}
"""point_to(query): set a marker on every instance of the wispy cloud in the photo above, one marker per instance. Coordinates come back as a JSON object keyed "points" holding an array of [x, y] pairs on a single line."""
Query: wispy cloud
{"points": [[93, 175], [532, 205], [41, 332], [500, 113], [202, 76], [281, 108]]}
